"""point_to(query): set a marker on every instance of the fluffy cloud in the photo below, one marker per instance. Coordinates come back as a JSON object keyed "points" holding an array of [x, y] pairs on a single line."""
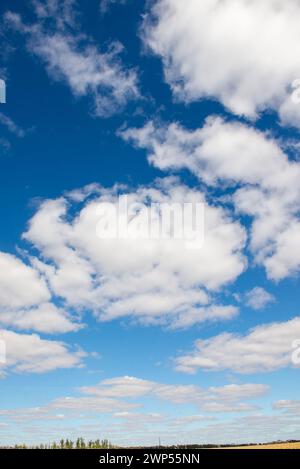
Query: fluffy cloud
{"points": [[72, 57], [20, 285], [231, 155], [258, 298], [25, 300], [45, 318], [31, 354], [240, 52], [265, 348], [151, 280], [220, 151]]}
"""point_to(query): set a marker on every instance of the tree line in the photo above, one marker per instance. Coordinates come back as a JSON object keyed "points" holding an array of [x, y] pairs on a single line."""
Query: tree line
{"points": [[80, 443]]}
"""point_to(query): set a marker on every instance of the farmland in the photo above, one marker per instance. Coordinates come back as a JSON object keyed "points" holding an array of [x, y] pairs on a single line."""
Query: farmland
{"points": [[287, 445]]}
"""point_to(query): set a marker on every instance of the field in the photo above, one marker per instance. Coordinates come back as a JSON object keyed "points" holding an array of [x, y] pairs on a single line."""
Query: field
{"points": [[295, 445]]}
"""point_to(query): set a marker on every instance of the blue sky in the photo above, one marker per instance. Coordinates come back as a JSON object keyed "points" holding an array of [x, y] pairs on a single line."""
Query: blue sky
{"points": [[133, 341]]}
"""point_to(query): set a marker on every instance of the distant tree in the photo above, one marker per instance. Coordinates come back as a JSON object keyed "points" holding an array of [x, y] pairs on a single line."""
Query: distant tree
{"points": [[82, 443], [105, 444]]}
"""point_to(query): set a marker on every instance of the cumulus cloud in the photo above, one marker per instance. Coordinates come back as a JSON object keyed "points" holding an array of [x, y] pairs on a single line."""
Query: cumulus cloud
{"points": [[20, 285], [240, 52], [231, 155], [265, 348], [157, 281], [258, 298], [72, 57], [45, 318], [25, 300], [28, 353]]}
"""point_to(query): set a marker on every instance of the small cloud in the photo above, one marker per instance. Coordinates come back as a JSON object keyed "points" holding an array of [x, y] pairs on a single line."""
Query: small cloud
{"points": [[258, 298], [11, 126], [106, 4]]}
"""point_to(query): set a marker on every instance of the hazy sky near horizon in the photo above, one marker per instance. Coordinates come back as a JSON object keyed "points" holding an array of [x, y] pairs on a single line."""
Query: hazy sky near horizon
{"points": [[159, 101]]}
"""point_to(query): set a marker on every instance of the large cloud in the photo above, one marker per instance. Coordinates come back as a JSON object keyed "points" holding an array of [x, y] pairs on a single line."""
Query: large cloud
{"points": [[150, 280], [241, 52], [265, 348], [231, 155]]}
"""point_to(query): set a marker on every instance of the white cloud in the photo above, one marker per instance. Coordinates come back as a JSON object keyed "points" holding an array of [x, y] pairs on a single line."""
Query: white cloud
{"points": [[219, 152], [258, 298], [72, 57], [91, 404], [286, 257], [289, 406], [240, 52], [150, 280], [45, 318], [31, 354], [119, 396], [209, 313], [62, 12], [20, 285], [25, 300], [213, 399], [88, 72], [231, 155], [259, 427], [265, 348], [127, 411]]}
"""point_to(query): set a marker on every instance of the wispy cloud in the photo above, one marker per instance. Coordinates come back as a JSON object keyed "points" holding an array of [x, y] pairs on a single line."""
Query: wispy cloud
{"points": [[11, 125], [73, 57]]}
